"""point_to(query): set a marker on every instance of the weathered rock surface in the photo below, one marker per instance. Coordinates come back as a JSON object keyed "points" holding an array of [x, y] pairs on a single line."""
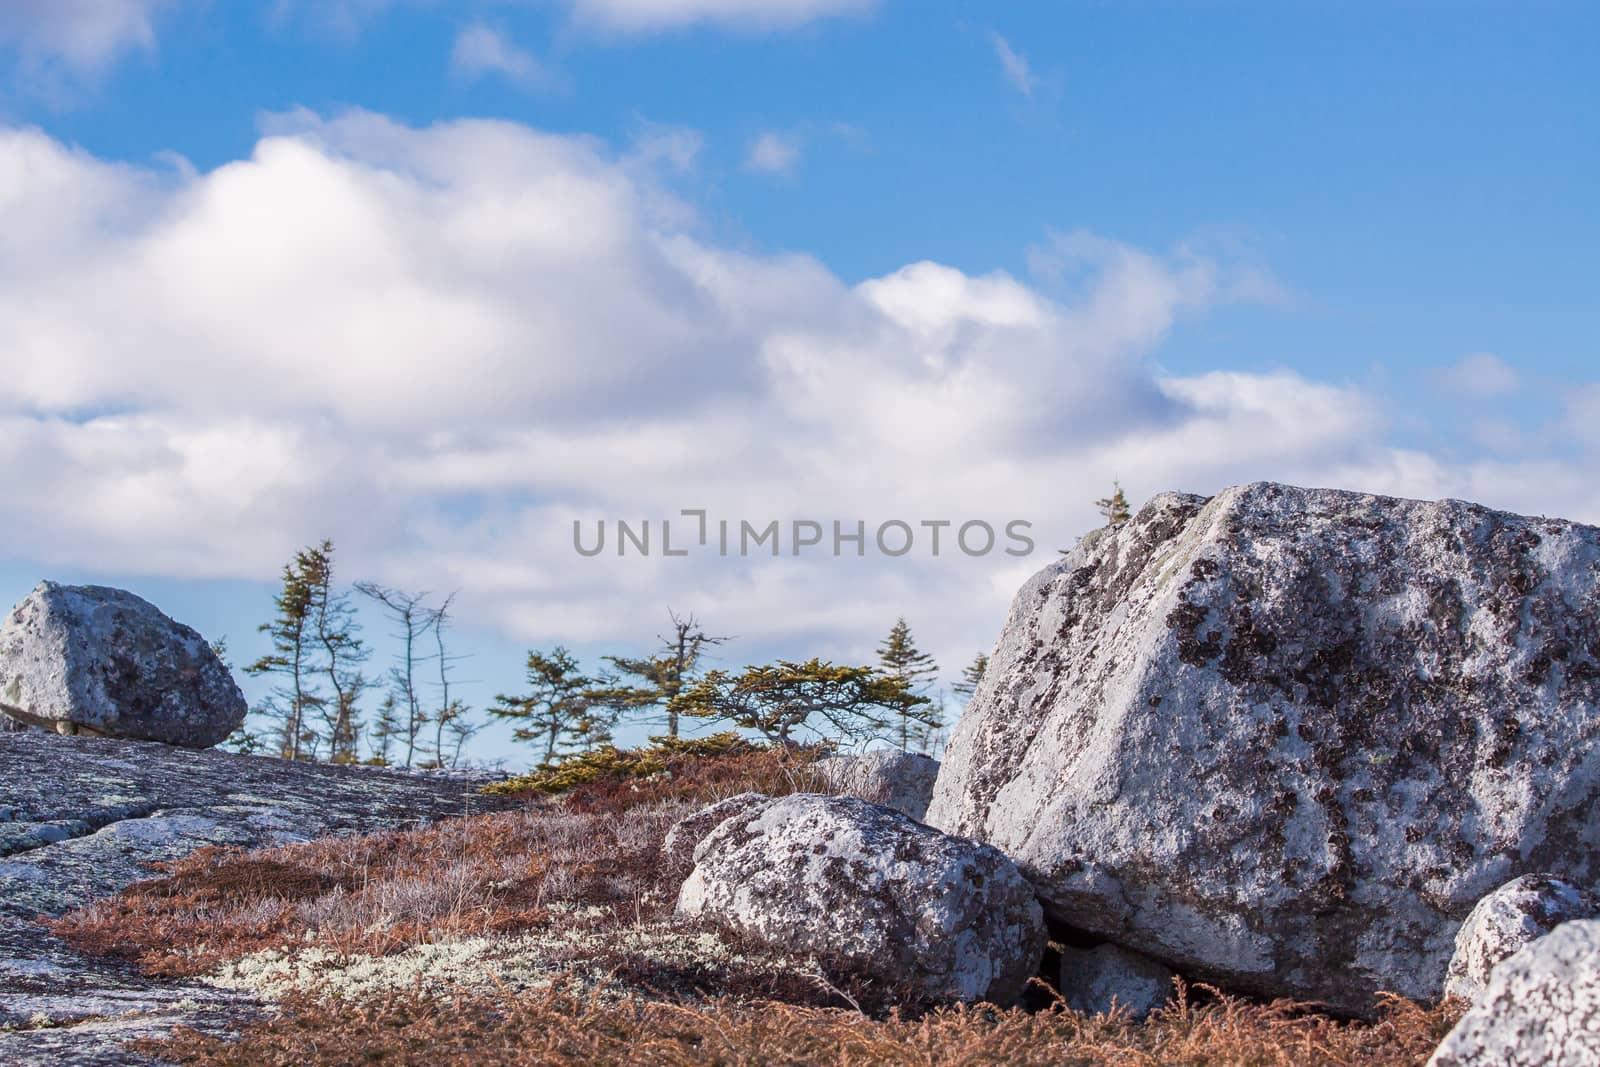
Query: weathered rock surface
{"points": [[1285, 739], [678, 848], [1540, 1009], [1093, 980], [81, 818], [1502, 923], [943, 917], [899, 780], [89, 659]]}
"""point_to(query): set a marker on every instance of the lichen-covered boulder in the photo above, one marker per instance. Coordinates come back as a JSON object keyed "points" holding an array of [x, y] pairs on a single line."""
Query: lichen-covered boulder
{"points": [[1517, 914], [1285, 739], [939, 917], [899, 780], [1096, 980], [99, 661], [677, 849], [1540, 1009]]}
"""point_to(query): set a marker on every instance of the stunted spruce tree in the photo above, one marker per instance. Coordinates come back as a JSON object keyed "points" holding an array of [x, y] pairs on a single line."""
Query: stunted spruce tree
{"points": [[556, 712], [971, 675], [337, 635], [293, 659], [914, 725], [1114, 508], [644, 688], [788, 702]]}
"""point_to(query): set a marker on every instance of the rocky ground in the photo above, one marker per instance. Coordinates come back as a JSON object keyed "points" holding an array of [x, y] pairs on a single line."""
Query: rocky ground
{"points": [[81, 818]]}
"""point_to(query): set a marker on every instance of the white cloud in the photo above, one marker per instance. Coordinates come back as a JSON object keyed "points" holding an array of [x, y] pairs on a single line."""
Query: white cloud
{"points": [[641, 16], [440, 346], [1480, 375], [481, 50], [1014, 65], [772, 152], [81, 35]]}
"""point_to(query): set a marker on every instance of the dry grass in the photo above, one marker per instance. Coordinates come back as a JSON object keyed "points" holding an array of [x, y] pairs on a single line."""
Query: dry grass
{"points": [[546, 935], [560, 1027], [587, 863]]}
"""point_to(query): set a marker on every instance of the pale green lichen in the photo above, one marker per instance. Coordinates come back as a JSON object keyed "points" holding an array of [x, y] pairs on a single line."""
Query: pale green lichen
{"points": [[485, 965]]}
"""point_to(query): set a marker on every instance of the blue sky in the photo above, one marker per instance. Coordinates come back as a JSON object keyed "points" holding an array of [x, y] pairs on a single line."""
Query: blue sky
{"points": [[781, 258]]}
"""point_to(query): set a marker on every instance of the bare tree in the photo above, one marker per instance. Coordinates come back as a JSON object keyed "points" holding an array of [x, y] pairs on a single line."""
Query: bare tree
{"points": [[413, 619], [451, 713]]}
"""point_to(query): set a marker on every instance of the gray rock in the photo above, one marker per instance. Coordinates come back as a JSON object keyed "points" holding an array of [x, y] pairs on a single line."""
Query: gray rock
{"points": [[678, 848], [1093, 980], [88, 659], [81, 818], [899, 780], [942, 918], [1285, 739], [1517, 914], [1540, 1009]]}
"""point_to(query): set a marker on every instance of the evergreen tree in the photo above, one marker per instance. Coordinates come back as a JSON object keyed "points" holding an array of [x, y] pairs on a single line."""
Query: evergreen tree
{"points": [[785, 700], [556, 708], [653, 682], [338, 637], [971, 675], [293, 657], [900, 658], [386, 728], [1114, 508]]}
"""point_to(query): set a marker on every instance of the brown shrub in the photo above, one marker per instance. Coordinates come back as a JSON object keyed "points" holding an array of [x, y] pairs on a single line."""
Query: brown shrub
{"points": [[561, 1027]]}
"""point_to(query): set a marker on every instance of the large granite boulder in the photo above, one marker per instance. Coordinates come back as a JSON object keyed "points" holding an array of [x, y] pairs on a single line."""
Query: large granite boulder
{"points": [[938, 917], [899, 780], [1285, 739], [678, 847], [1541, 1007], [1502, 923], [99, 661]]}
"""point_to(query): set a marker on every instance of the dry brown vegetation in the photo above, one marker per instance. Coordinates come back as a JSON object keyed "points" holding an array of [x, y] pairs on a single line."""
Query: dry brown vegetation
{"points": [[562, 1027], [578, 883]]}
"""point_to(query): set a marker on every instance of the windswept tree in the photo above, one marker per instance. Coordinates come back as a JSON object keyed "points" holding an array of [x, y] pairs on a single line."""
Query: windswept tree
{"points": [[644, 688], [293, 658], [1114, 508], [412, 620], [789, 702], [450, 717], [971, 675], [337, 635], [555, 714], [914, 726]]}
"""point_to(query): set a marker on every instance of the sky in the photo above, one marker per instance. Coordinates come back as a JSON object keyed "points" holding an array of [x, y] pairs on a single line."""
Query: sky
{"points": [[438, 278]]}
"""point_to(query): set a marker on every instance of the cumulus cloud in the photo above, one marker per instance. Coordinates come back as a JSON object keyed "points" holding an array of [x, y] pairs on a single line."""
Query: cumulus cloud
{"points": [[1480, 375], [639, 16], [442, 346], [772, 152], [481, 50], [81, 35]]}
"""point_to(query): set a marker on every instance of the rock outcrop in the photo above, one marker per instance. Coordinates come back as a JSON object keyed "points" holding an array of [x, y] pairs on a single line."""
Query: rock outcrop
{"points": [[81, 818], [679, 846], [899, 780], [99, 661], [1540, 1009], [1504, 922], [942, 918], [1096, 980], [1285, 739]]}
